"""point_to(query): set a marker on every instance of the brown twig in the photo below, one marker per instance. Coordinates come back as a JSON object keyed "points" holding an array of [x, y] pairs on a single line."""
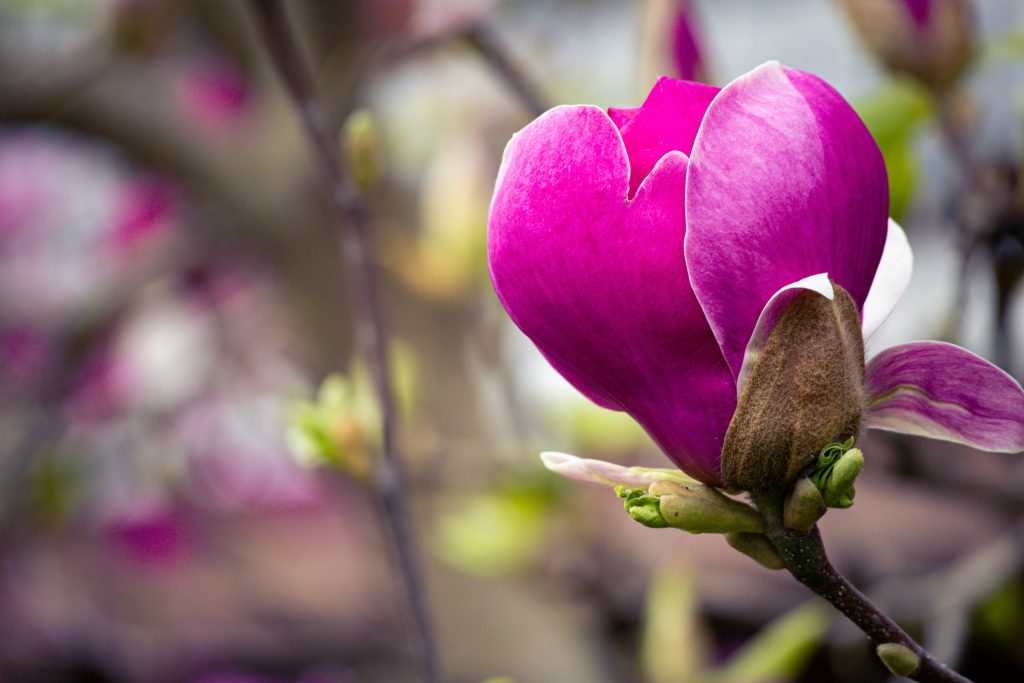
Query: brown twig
{"points": [[486, 43], [354, 237], [805, 558]]}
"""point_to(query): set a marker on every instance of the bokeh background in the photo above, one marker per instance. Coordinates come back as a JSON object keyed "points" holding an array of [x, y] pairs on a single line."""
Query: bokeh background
{"points": [[186, 432]]}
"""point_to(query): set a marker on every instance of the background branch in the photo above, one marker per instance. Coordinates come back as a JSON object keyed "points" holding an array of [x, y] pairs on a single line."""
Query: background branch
{"points": [[354, 237]]}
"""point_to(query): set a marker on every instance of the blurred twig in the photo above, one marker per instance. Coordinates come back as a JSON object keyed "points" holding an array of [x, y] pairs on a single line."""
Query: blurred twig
{"points": [[486, 42], [353, 234]]}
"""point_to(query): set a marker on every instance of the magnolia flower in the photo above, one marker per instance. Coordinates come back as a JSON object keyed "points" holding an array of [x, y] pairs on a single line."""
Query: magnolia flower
{"points": [[932, 40], [712, 263]]}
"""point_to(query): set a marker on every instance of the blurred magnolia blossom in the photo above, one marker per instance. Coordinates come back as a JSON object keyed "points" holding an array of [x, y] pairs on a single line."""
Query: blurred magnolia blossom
{"points": [[75, 221], [213, 95], [236, 455], [931, 40], [671, 42]]}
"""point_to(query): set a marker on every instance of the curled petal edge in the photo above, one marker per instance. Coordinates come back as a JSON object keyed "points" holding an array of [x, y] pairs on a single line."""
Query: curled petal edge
{"points": [[941, 391], [891, 280]]}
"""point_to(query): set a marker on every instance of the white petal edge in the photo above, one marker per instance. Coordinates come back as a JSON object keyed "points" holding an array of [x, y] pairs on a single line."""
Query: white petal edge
{"points": [[770, 315], [891, 280], [607, 473]]}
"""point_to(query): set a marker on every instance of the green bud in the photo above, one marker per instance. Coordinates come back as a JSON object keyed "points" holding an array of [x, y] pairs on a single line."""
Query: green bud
{"points": [[701, 509], [641, 506], [834, 476], [805, 390], [360, 147], [757, 547], [804, 506], [899, 659]]}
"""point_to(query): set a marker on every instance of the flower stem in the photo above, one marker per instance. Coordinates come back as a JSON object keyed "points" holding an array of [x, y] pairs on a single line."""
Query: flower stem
{"points": [[804, 556], [352, 224]]}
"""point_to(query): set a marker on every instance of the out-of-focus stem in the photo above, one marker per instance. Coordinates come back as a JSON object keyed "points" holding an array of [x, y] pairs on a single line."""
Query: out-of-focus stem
{"points": [[804, 556], [354, 236], [484, 41]]}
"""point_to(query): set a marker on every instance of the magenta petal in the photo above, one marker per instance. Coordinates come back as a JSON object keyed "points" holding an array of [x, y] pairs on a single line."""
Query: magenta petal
{"points": [[600, 285], [668, 120], [620, 116], [945, 392], [784, 182]]}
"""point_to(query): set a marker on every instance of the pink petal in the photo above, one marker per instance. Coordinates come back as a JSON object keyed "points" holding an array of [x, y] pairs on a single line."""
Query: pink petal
{"points": [[686, 50], [608, 473], [599, 283], [784, 182], [945, 392], [772, 312], [668, 120], [891, 280], [620, 116]]}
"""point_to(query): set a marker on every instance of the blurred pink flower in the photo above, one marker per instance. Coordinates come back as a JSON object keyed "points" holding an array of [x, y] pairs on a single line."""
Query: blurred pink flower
{"points": [[649, 252], [145, 206], [73, 219], [151, 537], [930, 40], [25, 354], [686, 51], [213, 95]]}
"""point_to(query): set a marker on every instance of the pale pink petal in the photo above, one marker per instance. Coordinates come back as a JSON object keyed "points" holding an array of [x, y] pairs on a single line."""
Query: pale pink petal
{"points": [[945, 392], [607, 473], [773, 311], [784, 182], [599, 283], [891, 280]]}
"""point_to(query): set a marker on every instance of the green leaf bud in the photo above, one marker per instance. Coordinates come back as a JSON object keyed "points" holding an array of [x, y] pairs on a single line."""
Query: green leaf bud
{"points": [[804, 506], [757, 547], [899, 659], [701, 509]]}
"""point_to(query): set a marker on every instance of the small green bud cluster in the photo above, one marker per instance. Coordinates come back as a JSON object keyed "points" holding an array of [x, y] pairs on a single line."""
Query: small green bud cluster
{"points": [[835, 471], [699, 509]]}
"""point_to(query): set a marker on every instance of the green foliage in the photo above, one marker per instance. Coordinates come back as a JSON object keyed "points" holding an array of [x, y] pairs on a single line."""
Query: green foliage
{"points": [[493, 533], [341, 426], [893, 115], [672, 650], [780, 651]]}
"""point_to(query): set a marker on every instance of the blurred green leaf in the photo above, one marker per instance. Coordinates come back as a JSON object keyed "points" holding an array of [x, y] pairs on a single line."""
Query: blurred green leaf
{"points": [[1005, 46], [780, 651], [672, 650], [1000, 616], [493, 533], [892, 114], [339, 427]]}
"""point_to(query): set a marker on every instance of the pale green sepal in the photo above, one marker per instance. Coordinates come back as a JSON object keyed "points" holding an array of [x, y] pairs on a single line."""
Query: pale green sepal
{"points": [[804, 506], [701, 509], [757, 547], [899, 659]]}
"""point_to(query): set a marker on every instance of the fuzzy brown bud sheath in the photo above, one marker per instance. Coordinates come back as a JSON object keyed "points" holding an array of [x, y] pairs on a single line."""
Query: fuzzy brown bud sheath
{"points": [[805, 392]]}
